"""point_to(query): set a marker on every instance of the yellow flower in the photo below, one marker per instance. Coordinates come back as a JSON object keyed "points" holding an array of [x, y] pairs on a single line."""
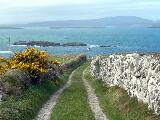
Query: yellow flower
{"points": [[34, 61], [56, 62]]}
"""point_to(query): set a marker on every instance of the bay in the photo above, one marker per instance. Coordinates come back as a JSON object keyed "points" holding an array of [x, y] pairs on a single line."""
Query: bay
{"points": [[117, 39]]}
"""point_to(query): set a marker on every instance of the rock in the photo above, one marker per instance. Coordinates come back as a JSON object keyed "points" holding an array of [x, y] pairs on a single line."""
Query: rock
{"points": [[73, 44], [38, 43], [138, 74], [105, 46], [47, 43]]}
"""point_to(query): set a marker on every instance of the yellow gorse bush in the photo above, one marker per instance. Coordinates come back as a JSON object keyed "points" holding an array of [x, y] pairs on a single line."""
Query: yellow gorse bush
{"points": [[2, 65], [2, 69], [31, 60]]}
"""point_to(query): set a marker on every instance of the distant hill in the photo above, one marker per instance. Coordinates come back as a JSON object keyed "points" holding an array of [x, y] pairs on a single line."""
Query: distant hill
{"points": [[107, 21]]}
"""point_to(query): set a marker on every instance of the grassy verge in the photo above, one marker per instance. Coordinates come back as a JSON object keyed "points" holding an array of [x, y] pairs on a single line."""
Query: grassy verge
{"points": [[116, 103], [26, 106], [72, 104]]}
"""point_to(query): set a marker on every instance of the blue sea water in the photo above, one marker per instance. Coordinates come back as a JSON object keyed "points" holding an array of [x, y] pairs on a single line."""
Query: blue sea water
{"points": [[121, 39]]}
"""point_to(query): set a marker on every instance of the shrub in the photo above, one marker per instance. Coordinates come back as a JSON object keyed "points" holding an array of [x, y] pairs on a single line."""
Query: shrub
{"points": [[53, 73], [2, 69], [24, 68], [31, 60], [13, 82], [3, 65], [35, 62], [26, 106]]}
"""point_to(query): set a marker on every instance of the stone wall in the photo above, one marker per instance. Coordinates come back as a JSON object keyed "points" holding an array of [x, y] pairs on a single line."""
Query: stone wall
{"points": [[138, 74]]}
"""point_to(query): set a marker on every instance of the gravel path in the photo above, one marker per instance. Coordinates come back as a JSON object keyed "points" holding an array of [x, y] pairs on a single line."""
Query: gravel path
{"points": [[93, 101], [45, 112]]}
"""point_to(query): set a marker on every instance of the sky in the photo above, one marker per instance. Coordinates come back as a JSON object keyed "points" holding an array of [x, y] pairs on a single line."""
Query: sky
{"points": [[26, 11]]}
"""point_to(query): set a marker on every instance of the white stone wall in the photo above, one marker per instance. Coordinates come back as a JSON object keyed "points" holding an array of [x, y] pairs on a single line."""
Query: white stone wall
{"points": [[138, 75]]}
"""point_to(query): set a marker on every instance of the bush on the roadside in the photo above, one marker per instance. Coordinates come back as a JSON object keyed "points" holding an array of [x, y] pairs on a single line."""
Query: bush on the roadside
{"points": [[26, 68], [3, 65], [33, 61], [27, 105], [13, 82], [2, 69], [54, 71]]}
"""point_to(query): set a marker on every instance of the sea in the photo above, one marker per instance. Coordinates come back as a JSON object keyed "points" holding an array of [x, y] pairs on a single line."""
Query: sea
{"points": [[116, 39]]}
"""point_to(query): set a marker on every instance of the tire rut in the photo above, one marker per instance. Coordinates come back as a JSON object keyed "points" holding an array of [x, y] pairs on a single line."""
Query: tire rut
{"points": [[46, 110], [93, 100]]}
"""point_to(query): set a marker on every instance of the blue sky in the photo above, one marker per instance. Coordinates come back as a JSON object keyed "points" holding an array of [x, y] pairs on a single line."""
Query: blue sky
{"points": [[24, 11]]}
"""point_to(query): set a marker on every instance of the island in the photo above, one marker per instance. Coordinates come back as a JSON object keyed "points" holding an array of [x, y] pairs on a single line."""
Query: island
{"points": [[105, 46], [58, 27], [10, 28], [154, 26], [48, 43]]}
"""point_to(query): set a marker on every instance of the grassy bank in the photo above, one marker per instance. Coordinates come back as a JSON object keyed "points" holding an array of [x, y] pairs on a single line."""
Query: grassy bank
{"points": [[72, 104], [116, 103], [26, 106]]}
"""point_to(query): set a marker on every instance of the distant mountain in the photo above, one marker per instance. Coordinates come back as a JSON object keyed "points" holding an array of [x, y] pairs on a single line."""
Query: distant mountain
{"points": [[107, 21]]}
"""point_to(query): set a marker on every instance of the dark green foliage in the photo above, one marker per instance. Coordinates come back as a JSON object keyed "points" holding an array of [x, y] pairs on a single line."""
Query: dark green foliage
{"points": [[14, 82], [26, 106]]}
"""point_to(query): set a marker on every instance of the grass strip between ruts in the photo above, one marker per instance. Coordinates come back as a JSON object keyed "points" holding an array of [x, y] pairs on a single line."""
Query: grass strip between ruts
{"points": [[72, 104]]}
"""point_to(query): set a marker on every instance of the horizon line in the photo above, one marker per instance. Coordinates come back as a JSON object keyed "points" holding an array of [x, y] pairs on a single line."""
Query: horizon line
{"points": [[25, 23]]}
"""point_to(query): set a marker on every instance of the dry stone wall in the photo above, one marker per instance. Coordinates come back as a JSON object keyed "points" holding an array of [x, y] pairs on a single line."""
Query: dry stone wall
{"points": [[138, 74]]}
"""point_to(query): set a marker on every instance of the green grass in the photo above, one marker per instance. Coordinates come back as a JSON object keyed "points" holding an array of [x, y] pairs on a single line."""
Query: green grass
{"points": [[72, 104], [62, 58], [116, 103], [27, 106]]}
